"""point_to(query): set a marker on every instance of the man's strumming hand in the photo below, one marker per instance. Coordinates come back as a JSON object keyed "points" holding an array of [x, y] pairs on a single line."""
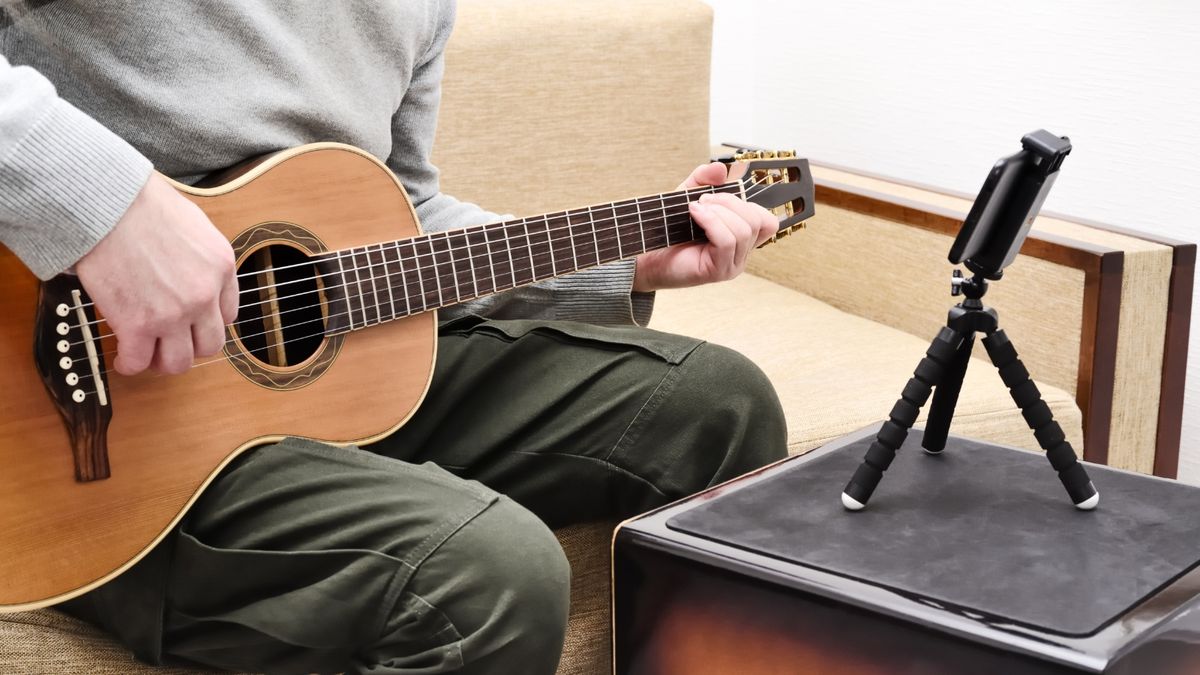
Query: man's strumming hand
{"points": [[732, 226], [164, 280]]}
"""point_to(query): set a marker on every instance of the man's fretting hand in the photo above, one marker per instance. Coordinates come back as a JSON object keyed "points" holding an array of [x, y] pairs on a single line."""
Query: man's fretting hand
{"points": [[164, 280], [733, 228]]}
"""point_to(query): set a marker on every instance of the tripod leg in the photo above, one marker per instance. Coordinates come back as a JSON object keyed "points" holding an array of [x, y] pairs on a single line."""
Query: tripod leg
{"points": [[928, 374], [945, 398], [1037, 414]]}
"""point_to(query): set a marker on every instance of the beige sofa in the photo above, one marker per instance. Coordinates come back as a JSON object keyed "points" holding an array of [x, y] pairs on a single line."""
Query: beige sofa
{"points": [[550, 104]]}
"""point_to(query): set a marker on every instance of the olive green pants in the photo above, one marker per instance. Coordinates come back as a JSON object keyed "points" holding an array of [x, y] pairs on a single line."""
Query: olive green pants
{"points": [[430, 551]]}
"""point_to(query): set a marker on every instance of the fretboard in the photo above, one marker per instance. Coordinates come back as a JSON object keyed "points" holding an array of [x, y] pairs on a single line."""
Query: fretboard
{"points": [[391, 280]]}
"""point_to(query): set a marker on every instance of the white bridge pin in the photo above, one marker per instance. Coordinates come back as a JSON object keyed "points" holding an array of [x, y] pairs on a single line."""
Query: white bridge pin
{"points": [[72, 379], [62, 309], [64, 346], [78, 396], [62, 328], [65, 363]]}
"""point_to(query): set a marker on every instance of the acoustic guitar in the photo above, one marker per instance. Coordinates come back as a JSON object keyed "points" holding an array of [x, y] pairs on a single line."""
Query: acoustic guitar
{"points": [[96, 468]]}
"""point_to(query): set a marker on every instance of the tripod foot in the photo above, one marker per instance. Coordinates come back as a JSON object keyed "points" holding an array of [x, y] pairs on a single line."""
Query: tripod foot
{"points": [[1085, 505], [933, 452], [852, 504]]}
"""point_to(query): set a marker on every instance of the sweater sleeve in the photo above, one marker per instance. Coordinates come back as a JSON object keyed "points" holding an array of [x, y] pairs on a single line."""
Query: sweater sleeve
{"points": [[65, 180], [600, 295]]}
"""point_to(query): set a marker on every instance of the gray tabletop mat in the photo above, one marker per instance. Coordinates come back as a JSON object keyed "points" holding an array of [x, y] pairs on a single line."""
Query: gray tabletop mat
{"points": [[982, 528]]}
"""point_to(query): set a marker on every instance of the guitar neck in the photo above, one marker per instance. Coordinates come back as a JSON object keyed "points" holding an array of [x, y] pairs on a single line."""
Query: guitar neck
{"points": [[391, 280]]}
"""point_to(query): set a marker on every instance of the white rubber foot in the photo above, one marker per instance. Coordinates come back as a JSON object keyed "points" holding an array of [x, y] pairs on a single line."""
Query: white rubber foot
{"points": [[1089, 503], [932, 452], [851, 503]]}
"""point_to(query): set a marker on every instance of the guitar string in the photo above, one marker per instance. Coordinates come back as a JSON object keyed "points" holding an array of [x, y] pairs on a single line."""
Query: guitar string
{"points": [[701, 190], [423, 295], [401, 259], [450, 250], [350, 311], [550, 241]]}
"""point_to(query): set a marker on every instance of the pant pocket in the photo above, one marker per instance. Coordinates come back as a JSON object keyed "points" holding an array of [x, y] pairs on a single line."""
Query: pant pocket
{"points": [[668, 347]]}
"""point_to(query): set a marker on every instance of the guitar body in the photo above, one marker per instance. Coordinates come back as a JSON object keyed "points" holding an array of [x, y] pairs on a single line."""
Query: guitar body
{"points": [[168, 437]]}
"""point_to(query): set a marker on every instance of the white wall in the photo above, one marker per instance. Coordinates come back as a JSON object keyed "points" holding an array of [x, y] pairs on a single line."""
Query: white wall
{"points": [[935, 91]]}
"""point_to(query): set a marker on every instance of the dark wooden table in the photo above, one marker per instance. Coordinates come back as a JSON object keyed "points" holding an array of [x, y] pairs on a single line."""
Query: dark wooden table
{"points": [[1029, 584]]}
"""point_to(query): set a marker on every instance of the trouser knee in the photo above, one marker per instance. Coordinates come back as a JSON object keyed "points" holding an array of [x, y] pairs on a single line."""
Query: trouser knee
{"points": [[503, 582], [733, 412]]}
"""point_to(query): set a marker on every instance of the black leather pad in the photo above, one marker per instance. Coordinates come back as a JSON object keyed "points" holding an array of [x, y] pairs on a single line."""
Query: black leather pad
{"points": [[980, 527]]}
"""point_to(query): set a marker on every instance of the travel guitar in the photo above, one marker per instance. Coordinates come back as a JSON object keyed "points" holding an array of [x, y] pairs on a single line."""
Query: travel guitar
{"points": [[95, 468]]}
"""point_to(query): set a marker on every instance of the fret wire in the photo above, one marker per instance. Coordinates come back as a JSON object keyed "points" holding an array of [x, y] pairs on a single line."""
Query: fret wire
{"points": [[595, 238], [362, 292], [617, 228], [346, 291], [571, 239], [470, 262], [662, 199], [641, 224], [420, 278], [453, 268], [512, 266], [529, 245], [374, 287], [550, 246], [408, 309], [387, 279], [583, 238], [501, 255], [437, 278], [471, 252], [376, 299], [487, 246], [517, 252]]}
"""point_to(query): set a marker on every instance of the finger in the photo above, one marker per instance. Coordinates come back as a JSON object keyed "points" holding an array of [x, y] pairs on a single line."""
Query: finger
{"points": [[229, 299], [208, 334], [134, 351], [714, 173], [743, 233], [764, 223], [173, 353], [722, 242]]}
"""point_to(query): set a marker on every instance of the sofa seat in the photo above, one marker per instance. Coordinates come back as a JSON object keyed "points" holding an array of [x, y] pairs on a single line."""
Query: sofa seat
{"points": [[835, 372]]}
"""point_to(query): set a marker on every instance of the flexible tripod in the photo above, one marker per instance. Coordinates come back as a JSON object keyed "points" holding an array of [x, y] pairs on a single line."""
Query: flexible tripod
{"points": [[944, 366]]}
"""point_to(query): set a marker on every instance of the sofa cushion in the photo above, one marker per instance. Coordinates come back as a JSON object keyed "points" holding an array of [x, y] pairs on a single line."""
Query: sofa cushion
{"points": [[837, 372]]}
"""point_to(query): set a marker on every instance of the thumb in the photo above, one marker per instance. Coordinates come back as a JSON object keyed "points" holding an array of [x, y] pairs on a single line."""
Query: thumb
{"points": [[715, 173]]}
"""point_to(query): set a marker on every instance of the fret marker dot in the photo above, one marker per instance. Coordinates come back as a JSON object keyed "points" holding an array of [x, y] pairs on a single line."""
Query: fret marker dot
{"points": [[65, 363], [78, 396], [62, 328], [62, 309], [72, 379], [63, 346]]}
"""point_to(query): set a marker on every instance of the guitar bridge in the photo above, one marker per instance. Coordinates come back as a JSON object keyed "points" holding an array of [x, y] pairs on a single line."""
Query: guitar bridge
{"points": [[71, 363]]}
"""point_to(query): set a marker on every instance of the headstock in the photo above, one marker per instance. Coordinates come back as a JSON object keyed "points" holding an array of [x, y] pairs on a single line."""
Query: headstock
{"points": [[778, 181]]}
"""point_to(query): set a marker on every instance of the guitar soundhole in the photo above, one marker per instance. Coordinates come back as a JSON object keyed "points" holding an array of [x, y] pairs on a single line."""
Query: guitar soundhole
{"points": [[282, 308]]}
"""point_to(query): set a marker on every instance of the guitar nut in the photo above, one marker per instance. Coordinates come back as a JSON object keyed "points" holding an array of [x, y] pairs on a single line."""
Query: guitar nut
{"points": [[62, 328], [65, 363], [72, 379], [78, 396]]}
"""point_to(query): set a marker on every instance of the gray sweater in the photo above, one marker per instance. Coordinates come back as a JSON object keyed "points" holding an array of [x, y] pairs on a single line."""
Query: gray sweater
{"points": [[93, 94]]}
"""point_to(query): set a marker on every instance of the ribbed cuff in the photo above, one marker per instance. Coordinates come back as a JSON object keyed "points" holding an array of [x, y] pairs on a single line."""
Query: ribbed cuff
{"points": [[64, 187], [642, 305], [601, 295]]}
